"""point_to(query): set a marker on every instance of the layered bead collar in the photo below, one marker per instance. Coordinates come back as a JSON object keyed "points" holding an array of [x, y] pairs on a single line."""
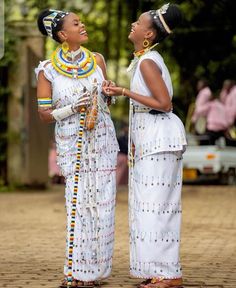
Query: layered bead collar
{"points": [[68, 65]]}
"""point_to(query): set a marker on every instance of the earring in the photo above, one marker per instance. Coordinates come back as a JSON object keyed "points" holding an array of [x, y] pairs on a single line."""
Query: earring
{"points": [[65, 47], [146, 43]]}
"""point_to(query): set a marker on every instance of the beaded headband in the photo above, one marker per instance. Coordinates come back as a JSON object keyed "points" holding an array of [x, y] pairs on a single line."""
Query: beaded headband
{"points": [[157, 15], [51, 21]]}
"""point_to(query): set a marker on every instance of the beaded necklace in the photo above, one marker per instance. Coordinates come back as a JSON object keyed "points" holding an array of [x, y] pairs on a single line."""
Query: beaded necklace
{"points": [[137, 56], [81, 68]]}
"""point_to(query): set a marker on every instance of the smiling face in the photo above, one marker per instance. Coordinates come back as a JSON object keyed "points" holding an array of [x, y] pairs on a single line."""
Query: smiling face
{"points": [[73, 31], [142, 29]]}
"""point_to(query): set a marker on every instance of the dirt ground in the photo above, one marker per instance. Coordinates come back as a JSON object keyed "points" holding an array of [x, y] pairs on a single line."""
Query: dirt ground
{"points": [[33, 238]]}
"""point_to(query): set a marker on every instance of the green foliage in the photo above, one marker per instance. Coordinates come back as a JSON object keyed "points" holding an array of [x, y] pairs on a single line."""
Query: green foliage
{"points": [[203, 47], [9, 59], [205, 40]]}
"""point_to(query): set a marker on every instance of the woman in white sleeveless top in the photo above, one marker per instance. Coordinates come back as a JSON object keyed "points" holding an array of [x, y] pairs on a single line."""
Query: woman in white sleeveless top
{"points": [[157, 142], [87, 151]]}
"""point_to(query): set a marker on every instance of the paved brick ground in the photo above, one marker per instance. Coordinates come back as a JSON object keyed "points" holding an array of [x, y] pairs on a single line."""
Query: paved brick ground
{"points": [[32, 231]]}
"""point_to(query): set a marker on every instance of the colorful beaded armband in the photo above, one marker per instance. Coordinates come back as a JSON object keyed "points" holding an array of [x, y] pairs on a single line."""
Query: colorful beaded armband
{"points": [[45, 102]]}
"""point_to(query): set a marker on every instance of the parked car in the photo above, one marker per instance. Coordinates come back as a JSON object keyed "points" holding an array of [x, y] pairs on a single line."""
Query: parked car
{"points": [[209, 162]]}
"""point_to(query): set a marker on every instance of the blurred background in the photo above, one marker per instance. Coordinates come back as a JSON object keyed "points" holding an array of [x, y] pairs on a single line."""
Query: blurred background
{"points": [[203, 47]]}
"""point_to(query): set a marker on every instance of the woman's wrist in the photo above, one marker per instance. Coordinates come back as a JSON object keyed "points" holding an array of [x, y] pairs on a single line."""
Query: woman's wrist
{"points": [[123, 92], [126, 92]]}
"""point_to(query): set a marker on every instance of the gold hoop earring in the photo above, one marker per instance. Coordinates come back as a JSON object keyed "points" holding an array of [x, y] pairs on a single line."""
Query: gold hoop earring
{"points": [[65, 47], [146, 43]]}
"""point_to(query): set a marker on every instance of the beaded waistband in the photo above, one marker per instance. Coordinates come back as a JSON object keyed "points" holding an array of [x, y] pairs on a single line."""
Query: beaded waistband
{"points": [[137, 109]]}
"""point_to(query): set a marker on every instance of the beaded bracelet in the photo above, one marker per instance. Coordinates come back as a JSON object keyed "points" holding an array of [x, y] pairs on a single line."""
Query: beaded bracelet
{"points": [[45, 102]]}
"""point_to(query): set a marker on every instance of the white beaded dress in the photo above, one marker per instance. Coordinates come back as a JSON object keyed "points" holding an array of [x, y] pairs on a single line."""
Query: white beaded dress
{"points": [[95, 206], [155, 184]]}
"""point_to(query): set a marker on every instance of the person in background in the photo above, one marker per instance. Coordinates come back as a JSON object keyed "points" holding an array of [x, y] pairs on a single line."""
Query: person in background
{"points": [[230, 106], [122, 159], [226, 88], [220, 114], [53, 168], [228, 97], [217, 121], [203, 97]]}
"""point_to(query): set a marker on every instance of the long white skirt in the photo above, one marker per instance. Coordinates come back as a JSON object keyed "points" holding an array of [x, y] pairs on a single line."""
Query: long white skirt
{"points": [[95, 206], [155, 215]]}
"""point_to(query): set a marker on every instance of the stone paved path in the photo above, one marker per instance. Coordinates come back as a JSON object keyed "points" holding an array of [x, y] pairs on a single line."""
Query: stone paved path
{"points": [[32, 231]]}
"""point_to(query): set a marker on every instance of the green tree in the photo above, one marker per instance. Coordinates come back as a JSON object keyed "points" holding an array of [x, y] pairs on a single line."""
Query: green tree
{"points": [[203, 47]]}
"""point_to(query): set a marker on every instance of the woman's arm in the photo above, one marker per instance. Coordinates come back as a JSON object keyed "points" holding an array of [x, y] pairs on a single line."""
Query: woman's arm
{"points": [[160, 99], [44, 90], [101, 63], [49, 115], [106, 83], [154, 81]]}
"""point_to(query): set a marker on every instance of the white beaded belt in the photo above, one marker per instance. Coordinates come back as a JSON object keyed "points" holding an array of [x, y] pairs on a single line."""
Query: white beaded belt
{"points": [[137, 109]]}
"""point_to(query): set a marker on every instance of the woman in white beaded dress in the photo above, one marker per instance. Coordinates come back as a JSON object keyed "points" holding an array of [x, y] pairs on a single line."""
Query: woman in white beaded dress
{"points": [[157, 142], [69, 92]]}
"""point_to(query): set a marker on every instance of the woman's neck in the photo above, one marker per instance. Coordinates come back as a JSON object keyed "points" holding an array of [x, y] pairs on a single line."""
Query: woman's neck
{"points": [[138, 47], [142, 51], [74, 47], [74, 53]]}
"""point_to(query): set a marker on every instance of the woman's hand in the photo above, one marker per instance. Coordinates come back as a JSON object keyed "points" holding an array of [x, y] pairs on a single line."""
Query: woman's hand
{"points": [[105, 86], [109, 88], [112, 90], [107, 83], [82, 102]]}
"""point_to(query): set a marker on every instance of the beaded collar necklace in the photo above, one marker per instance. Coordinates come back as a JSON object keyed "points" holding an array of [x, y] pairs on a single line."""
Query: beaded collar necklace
{"points": [[80, 68], [143, 51], [137, 56]]}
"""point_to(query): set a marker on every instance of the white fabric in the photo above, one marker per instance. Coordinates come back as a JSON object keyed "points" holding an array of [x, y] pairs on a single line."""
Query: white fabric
{"points": [[137, 82], [46, 67], [155, 133], [61, 113], [83, 99], [155, 184], [94, 227], [155, 216]]}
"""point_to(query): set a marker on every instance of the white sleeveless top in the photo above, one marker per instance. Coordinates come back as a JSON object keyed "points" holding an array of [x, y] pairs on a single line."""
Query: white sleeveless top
{"points": [[155, 133], [137, 82]]}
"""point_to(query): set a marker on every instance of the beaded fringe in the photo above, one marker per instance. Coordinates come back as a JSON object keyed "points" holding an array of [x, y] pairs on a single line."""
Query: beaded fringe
{"points": [[74, 200]]}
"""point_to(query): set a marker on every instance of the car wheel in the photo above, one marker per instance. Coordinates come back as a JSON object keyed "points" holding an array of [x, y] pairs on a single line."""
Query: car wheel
{"points": [[231, 177]]}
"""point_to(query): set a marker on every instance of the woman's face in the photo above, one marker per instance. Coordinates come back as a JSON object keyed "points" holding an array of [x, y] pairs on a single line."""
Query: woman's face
{"points": [[141, 29], [73, 31]]}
